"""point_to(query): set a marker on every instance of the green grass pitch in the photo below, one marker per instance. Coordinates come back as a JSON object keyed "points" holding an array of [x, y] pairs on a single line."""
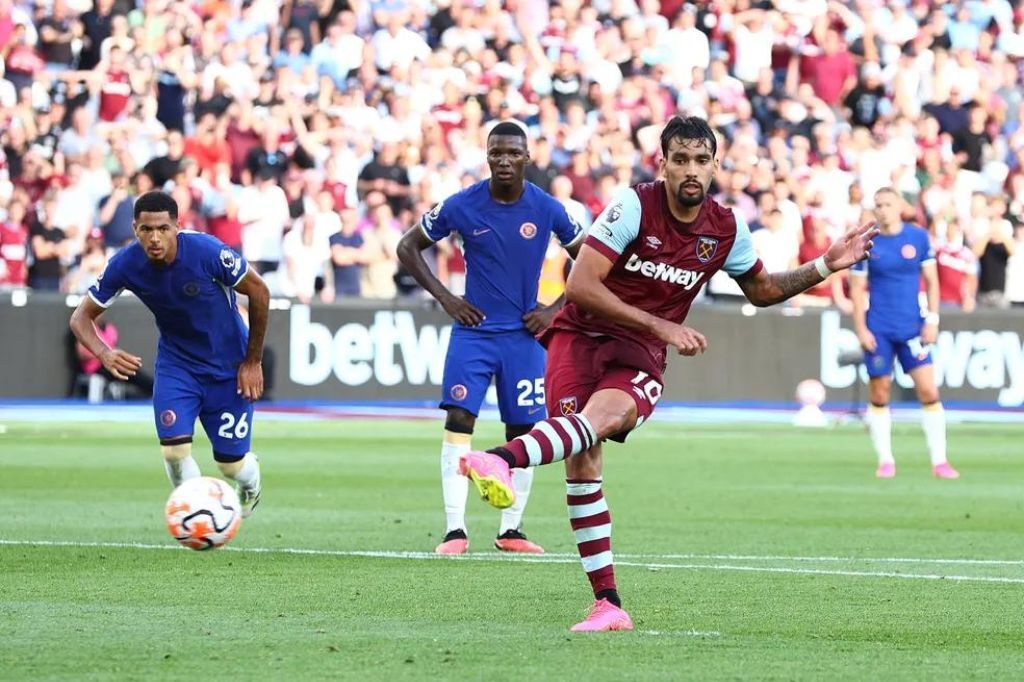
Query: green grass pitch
{"points": [[743, 552]]}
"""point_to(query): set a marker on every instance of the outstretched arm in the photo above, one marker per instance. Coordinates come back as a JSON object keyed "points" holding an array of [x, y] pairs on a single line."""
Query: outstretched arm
{"points": [[83, 324], [410, 254], [764, 289]]}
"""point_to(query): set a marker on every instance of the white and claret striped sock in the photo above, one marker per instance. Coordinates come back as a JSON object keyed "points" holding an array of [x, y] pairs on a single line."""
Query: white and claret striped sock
{"points": [[551, 440], [592, 527]]}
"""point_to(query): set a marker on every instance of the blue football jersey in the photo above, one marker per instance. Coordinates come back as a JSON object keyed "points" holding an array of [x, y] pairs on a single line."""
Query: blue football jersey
{"points": [[192, 299], [504, 246], [894, 280]]}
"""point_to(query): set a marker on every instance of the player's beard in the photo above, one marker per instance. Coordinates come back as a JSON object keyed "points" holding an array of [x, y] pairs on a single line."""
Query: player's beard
{"points": [[690, 199]]}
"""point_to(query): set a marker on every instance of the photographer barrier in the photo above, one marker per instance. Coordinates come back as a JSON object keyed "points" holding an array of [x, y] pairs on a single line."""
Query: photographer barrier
{"points": [[362, 350]]}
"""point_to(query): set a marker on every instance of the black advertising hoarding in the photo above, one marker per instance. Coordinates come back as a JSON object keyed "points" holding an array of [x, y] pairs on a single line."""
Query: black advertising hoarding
{"points": [[365, 351]]}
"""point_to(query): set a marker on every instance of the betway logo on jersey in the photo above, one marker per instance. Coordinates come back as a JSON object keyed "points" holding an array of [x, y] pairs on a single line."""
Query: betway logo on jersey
{"points": [[982, 359], [666, 273], [358, 354]]}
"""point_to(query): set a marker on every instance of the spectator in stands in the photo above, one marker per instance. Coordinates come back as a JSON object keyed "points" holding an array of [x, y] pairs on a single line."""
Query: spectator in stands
{"points": [[957, 268], [993, 248], [116, 214], [348, 255], [50, 247], [824, 96], [306, 250], [14, 238]]}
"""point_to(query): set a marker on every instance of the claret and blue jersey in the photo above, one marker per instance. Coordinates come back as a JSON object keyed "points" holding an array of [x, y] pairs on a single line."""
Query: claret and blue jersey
{"points": [[505, 246]]}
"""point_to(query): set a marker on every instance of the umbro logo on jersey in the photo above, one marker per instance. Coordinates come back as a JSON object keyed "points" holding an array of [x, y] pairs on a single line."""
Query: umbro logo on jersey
{"points": [[687, 279], [652, 241]]}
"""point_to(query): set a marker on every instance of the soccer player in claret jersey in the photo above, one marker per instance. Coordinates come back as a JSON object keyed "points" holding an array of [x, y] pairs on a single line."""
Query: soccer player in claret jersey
{"points": [[208, 365], [893, 327], [642, 264], [505, 225]]}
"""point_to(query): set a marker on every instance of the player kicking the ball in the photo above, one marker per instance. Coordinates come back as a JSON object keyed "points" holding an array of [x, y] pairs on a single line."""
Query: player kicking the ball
{"points": [[207, 364], [505, 225], [642, 264]]}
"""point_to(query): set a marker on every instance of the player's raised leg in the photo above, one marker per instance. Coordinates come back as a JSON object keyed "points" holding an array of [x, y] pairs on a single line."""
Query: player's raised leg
{"points": [[176, 401], [551, 440], [227, 419], [933, 420]]}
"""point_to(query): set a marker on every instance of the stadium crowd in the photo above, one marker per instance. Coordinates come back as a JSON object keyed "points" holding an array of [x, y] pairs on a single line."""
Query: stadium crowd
{"points": [[310, 133]]}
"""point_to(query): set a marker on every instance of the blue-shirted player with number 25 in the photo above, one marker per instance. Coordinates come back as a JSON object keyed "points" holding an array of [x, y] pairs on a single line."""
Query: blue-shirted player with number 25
{"points": [[505, 225], [208, 365]]}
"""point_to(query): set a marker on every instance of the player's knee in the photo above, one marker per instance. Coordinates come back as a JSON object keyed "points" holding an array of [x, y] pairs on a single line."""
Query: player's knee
{"points": [[229, 465], [459, 421], [515, 430], [609, 419], [176, 452]]}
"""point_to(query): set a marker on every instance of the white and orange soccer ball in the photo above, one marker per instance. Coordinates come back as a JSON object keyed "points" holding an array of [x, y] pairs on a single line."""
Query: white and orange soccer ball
{"points": [[203, 513]]}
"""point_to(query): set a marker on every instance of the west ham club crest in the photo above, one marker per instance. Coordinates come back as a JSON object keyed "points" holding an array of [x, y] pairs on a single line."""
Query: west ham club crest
{"points": [[706, 247]]}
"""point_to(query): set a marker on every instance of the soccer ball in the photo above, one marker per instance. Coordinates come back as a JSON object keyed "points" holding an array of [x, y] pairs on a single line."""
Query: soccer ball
{"points": [[203, 513], [810, 392]]}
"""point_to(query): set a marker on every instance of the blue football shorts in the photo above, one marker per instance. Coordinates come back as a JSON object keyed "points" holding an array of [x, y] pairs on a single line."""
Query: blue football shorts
{"points": [[910, 352], [515, 360], [180, 397]]}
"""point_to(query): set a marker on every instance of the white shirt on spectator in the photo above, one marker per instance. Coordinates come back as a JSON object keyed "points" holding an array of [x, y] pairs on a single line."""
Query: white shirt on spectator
{"points": [[238, 76], [307, 259], [401, 48], [263, 214], [777, 250], [469, 39], [346, 56], [753, 51], [689, 49]]}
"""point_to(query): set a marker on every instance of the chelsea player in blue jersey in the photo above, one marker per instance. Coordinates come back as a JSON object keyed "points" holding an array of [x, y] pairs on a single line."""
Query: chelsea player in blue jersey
{"points": [[208, 365], [893, 327], [505, 225]]}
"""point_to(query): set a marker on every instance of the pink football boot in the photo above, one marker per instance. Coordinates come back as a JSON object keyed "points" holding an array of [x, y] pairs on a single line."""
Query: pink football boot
{"points": [[945, 470], [604, 616], [886, 470], [492, 477]]}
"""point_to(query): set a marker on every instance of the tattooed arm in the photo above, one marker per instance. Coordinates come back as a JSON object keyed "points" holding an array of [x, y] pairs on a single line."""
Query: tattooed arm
{"points": [[768, 288], [765, 289]]}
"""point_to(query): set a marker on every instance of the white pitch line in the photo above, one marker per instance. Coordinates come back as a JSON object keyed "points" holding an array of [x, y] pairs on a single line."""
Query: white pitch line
{"points": [[538, 559], [830, 559], [680, 633]]}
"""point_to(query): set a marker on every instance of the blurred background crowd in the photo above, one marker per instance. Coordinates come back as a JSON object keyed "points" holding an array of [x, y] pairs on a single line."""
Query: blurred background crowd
{"points": [[310, 134]]}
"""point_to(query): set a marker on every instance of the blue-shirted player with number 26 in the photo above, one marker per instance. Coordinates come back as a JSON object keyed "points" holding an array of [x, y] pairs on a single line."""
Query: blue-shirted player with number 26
{"points": [[208, 365], [505, 224]]}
